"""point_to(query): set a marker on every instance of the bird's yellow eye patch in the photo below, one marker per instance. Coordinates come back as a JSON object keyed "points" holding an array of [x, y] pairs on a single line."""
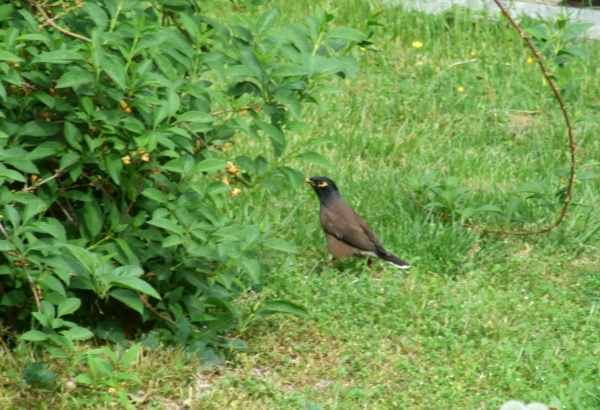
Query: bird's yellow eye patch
{"points": [[322, 184]]}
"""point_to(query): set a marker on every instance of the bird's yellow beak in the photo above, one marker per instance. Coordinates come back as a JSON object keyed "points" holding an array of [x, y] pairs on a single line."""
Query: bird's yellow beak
{"points": [[309, 181]]}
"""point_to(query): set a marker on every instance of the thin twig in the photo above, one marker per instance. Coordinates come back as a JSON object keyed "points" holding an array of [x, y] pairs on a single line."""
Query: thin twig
{"points": [[572, 147], [4, 232], [139, 189], [69, 217], [50, 21], [42, 182], [257, 107], [146, 303], [32, 286], [198, 137], [98, 183]]}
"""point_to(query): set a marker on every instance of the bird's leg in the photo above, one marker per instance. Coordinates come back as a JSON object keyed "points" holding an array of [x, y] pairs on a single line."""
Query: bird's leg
{"points": [[370, 264]]}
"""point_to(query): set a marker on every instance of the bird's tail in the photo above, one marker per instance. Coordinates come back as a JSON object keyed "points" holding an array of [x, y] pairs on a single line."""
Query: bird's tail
{"points": [[396, 261]]}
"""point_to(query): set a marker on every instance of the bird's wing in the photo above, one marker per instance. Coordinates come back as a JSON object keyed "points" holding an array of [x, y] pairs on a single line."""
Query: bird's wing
{"points": [[342, 222], [369, 232]]}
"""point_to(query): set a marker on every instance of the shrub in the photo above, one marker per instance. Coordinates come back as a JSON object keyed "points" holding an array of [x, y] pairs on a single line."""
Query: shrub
{"points": [[115, 175]]}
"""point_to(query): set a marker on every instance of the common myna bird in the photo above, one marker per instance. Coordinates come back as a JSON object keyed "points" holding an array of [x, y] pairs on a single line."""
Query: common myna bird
{"points": [[347, 233]]}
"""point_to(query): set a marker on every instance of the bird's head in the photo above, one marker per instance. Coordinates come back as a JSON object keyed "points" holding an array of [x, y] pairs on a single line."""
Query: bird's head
{"points": [[324, 187]]}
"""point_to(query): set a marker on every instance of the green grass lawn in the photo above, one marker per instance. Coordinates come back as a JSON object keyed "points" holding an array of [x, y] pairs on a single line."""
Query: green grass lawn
{"points": [[480, 318]]}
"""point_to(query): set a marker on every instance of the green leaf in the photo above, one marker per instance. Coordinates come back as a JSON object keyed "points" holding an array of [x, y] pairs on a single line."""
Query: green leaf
{"points": [[275, 134], [8, 56], [252, 267], [346, 33], [210, 164], [68, 159], [195, 116], [77, 333], [72, 135], [23, 165], [93, 217], [10, 174], [292, 103], [33, 207], [266, 21], [289, 71], [540, 32], [279, 245], [283, 306], [574, 30], [114, 166], [129, 298], [582, 176], [166, 224], [128, 270], [51, 282], [13, 298], [576, 51], [74, 79], [490, 208], [58, 57], [34, 336], [38, 129], [97, 14], [172, 240], [83, 378], [115, 68], [68, 306], [45, 244], [317, 159], [240, 70], [155, 195], [6, 246], [135, 284], [130, 355], [318, 65]]}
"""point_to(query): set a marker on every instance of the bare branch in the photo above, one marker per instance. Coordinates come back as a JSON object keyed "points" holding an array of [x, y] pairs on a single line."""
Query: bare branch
{"points": [[50, 21], [42, 182], [4, 232], [33, 286]]}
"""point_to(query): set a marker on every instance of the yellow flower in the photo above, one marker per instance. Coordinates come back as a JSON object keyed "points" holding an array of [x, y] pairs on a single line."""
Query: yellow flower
{"points": [[543, 81], [460, 90], [126, 160], [530, 60], [419, 63], [363, 49], [235, 192], [34, 178], [473, 54], [111, 390], [225, 181], [417, 44], [145, 157], [232, 169]]}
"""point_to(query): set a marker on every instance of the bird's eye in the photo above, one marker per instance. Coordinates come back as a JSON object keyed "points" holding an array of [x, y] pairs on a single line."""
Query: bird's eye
{"points": [[322, 184]]}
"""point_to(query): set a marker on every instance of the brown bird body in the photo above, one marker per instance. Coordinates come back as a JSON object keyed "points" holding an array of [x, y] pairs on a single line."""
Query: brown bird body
{"points": [[347, 233]]}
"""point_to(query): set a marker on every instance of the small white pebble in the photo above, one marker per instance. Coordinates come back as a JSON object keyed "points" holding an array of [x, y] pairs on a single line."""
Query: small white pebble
{"points": [[536, 406], [513, 405]]}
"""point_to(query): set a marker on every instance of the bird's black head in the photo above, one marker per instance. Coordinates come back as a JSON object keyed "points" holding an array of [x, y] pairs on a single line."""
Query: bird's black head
{"points": [[324, 187]]}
